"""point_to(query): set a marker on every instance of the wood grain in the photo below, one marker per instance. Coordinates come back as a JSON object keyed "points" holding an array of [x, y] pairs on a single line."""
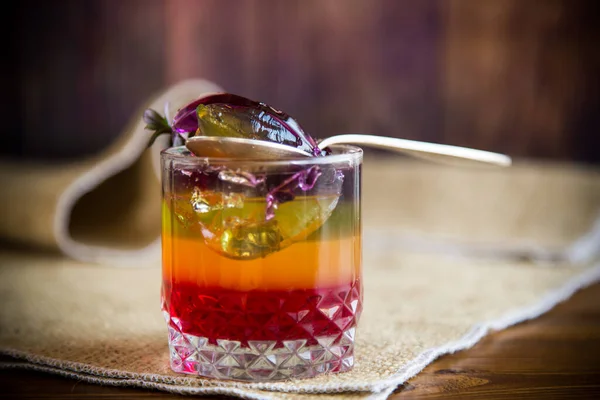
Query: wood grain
{"points": [[514, 74], [555, 356], [505, 75]]}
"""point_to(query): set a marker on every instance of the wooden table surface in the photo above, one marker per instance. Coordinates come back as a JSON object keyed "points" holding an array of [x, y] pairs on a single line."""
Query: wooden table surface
{"points": [[556, 356]]}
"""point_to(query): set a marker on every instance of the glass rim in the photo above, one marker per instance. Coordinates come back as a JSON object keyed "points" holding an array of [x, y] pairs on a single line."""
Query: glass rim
{"points": [[345, 153]]}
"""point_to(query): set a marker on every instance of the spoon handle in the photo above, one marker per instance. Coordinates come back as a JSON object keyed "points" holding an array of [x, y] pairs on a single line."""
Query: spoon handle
{"points": [[430, 151]]}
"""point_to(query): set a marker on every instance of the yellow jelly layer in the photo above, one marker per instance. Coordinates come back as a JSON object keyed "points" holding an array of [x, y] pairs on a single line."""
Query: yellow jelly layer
{"points": [[326, 259]]}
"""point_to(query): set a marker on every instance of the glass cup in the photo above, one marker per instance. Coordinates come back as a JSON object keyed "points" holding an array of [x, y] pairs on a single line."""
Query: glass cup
{"points": [[261, 264]]}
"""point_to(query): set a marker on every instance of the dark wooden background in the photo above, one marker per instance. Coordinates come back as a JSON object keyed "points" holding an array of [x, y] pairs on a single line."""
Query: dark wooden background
{"points": [[516, 76]]}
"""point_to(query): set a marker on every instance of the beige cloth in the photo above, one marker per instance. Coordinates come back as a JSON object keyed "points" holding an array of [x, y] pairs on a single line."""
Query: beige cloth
{"points": [[545, 212], [104, 324], [104, 209], [64, 314]]}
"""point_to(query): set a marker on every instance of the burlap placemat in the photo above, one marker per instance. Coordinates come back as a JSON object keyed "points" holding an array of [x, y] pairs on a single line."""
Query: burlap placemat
{"points": [[104, 325], [546, 212], [105, 208], [71, 316]]}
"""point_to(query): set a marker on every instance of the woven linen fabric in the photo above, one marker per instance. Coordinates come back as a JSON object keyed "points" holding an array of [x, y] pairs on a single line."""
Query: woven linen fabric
{"points": [[449, 254], [104, 324], [105, 208], [102, 209], [545, 212]]}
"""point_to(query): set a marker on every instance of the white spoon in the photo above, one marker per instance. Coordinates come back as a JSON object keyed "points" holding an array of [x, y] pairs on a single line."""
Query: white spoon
{"points": [[230, 147]]}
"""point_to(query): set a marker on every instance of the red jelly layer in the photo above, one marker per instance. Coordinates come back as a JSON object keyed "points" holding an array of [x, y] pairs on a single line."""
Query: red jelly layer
{"points": [[217, 313]]}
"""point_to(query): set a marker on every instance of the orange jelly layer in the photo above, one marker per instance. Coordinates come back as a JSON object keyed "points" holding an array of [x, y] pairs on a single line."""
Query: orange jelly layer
{"points": [[303, 265]]}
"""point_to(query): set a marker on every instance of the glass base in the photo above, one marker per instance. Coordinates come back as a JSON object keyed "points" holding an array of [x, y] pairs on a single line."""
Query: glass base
{"points": [[260, 360]]}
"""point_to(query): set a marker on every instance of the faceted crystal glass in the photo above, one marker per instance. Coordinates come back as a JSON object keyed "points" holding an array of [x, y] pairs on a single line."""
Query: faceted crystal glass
{"points": [[261, 264]]}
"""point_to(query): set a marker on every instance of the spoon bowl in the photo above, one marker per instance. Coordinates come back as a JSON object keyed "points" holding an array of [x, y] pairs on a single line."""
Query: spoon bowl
{"points": [[241, 148]]}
